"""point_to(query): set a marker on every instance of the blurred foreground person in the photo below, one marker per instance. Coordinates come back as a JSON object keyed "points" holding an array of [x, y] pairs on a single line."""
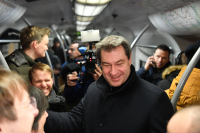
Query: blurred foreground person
{"points": [[17, 109], [187, 120], [42, 105]]}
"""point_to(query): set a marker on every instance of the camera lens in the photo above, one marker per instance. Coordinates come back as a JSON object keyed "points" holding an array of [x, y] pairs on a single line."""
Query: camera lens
{"points": [[90, 66]]}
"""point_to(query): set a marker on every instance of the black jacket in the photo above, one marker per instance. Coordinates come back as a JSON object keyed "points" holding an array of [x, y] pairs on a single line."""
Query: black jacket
{"points": [[137, 107], [153, 75]]}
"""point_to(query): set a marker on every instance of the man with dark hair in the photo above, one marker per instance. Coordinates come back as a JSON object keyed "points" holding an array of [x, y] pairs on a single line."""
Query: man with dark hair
{"points": [[119, 101], [58, 50], [75, 55], [74, 90], [155, 65], [34, 41]]}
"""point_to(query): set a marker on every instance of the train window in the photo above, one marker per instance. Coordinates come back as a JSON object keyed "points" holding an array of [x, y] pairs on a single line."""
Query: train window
{"points": [[142, 63]]}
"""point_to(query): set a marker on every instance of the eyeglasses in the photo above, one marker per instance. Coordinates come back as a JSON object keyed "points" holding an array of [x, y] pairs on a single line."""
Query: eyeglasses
{"points": [[33, 102]]}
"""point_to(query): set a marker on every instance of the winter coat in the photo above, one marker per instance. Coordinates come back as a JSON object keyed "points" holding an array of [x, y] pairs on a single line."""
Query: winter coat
{"points": [[189, 93], [153, 75], [20, 62], [136, 107], [168, 75]]}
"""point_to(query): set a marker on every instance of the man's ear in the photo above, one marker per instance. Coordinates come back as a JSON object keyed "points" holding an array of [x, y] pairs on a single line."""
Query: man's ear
{"points": [[130, 61], [35, 44], [79, 53], [30, 83]]}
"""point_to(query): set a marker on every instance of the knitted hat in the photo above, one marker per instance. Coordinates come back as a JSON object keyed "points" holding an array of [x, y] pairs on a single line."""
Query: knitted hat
{"points": [[190, 51]]}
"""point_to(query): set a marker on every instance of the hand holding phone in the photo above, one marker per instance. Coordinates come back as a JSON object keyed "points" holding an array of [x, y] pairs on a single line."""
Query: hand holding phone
{"points": [[150, 63], [154, 64]]}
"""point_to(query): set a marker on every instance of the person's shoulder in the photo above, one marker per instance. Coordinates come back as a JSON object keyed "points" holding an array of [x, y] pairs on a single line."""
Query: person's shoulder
{"points": [[63, 64], [92, 87], [149, 87], [16, 58]]}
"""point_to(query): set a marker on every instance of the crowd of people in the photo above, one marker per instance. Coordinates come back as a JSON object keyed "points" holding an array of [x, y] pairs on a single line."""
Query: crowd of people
{"points": [[113, 98]]}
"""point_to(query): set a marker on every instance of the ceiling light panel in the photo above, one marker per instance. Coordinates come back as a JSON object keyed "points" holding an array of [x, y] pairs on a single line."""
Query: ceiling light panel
{"points": [[82, 23], [80, 27], [93, 1], [85, 19], [88, 10]]}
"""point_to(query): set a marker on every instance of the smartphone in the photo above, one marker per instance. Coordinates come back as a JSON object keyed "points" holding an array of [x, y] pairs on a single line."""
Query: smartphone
{"points": [[154, 64]]}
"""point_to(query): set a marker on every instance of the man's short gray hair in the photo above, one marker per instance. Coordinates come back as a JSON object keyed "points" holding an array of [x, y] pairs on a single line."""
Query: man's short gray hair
{"points": [[111, 42]]}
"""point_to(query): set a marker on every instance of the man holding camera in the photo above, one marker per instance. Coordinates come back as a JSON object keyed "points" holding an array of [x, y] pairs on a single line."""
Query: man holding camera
{"points": [[155, 65], [76, 84]]}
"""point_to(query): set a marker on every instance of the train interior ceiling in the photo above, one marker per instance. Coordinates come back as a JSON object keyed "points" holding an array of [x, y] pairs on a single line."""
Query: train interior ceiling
{"points": [[144, 23]]}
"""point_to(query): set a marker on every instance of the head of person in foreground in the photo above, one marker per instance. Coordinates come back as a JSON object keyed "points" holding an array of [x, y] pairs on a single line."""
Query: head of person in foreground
{"points": [[42, 105], [17, 108], [187, 120]]}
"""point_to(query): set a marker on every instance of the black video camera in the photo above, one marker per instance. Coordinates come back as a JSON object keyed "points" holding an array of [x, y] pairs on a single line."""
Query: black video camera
{"points": [[92, 37], [90, 58]]}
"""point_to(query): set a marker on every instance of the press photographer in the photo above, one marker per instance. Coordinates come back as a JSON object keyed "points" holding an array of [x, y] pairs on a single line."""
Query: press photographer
{"points": [[74, 90]]}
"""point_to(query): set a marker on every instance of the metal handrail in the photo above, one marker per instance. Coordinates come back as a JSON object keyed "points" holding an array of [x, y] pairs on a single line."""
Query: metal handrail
{"points": [[138, 36], [4, 63], [150, 46], [49, 62], [9, 41]]}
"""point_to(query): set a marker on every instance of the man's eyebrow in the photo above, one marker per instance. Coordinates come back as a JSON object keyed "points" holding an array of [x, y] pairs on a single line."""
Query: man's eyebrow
{"points": [[105, 63], [120, 61]]}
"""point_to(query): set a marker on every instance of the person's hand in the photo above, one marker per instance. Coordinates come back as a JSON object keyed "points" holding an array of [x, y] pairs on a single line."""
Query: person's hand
{"points": [[72, 78], [149, 63], [97, 73]]}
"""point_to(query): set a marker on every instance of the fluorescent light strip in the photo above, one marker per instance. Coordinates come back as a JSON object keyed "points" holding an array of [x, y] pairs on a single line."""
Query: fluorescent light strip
{"points": [[80, 28], [82, 23], [93, 1], [84, 19], [88, 10]]}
